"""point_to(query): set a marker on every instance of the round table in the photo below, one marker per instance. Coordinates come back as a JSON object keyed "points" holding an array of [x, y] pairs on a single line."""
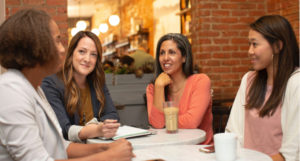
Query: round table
{"points": [[192, 153], [161, 138]]}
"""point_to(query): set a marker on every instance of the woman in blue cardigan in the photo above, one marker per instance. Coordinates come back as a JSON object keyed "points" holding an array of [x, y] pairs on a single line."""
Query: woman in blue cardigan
{"points": [[78, 93]]}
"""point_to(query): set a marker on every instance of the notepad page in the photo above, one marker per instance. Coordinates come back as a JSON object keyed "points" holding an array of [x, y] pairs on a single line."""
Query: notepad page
{"points": [[129, 131]]}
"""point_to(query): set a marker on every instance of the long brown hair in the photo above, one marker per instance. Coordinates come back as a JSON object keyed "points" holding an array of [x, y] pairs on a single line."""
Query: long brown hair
{"points": [[275, 29], [96, 77]]}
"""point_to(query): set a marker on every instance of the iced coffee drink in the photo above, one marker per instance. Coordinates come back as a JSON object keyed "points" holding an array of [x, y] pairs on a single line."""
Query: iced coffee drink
{"points": [[171, 118]]}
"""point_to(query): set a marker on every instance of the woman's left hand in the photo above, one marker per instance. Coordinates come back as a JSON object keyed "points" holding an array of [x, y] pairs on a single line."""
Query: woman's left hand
{"points": [[109, 128]]}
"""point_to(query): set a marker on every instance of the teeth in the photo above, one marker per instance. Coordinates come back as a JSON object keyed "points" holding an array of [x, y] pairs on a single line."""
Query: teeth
{"points": [[167, 65]]}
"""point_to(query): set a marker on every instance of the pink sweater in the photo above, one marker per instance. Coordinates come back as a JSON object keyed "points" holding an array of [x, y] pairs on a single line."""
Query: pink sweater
{"points": [[262, 134], [195, 107]]}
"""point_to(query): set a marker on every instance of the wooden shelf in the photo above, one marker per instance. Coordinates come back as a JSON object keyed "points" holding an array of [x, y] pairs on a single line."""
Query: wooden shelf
{"points": [[131, 49], [186, 10], [142, 31], [119, 45], [108, 53], [108, 43]]}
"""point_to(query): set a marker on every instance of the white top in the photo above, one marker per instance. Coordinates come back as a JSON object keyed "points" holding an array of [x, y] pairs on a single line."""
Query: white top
{"points": [[290, 117], [162, 138], [29, 129], [192, 153]]}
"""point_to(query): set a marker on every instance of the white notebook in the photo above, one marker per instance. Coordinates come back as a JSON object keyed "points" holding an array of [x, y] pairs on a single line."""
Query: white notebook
{"points": [[129, 131]]}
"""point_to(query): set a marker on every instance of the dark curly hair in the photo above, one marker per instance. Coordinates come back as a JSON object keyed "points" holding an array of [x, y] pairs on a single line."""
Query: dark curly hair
{"points": [[26, 40]]}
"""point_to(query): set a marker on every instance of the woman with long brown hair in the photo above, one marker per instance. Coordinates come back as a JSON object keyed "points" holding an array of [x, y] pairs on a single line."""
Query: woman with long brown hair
{"points": [[265, 112], [78, 93]]}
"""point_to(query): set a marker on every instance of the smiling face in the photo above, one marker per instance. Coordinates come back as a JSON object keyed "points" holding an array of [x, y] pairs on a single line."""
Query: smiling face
{"points": [[260, 51], [84, 57], [170, 58]]}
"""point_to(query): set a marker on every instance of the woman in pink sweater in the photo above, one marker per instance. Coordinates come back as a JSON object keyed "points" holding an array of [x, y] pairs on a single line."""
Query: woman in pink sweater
{"points": [[175, 81]]}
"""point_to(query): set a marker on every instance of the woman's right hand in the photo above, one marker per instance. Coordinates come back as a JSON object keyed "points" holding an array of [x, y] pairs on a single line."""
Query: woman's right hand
{"points": [[121, 150], [163, 80], [108, 128]]}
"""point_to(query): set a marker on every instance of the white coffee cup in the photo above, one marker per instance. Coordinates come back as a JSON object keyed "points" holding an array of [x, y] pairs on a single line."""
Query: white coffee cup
{"points": [[225, 146]]}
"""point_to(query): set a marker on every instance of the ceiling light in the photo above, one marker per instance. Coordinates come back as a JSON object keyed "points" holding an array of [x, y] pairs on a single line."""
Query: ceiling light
{"points": [[96, 31], [81, 25], [74, 31], [114, 20], [103, 27]]}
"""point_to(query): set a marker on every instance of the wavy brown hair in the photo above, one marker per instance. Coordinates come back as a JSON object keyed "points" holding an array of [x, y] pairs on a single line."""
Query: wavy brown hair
{"points": [[96, 77], [275, 29]]}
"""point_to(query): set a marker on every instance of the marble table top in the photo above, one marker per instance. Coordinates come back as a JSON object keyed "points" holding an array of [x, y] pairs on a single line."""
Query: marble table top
{"points": [[161, 138], [192, 153]]}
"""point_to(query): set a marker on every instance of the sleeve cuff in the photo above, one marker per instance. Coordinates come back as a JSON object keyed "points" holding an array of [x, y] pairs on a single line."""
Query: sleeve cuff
{"points": [[74, 132], [93, 121], [66, 144]]}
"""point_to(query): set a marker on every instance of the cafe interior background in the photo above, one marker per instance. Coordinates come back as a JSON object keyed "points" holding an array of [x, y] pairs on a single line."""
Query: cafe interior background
{"points": [[217, 29]]}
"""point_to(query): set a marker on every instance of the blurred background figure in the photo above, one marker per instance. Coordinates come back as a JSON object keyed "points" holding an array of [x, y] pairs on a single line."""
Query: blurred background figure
{"points": [[142, 59]]}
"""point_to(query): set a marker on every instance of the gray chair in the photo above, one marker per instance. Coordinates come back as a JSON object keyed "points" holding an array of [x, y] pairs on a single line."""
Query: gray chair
{"points": [[127, 93]]}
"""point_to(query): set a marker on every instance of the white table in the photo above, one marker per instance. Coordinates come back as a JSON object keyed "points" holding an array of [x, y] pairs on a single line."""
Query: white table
{"points": [[192, 153], [161, 138]]}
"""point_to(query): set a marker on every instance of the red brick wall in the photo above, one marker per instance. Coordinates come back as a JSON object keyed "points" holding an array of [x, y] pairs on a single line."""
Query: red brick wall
{"points": [[219, 40], [56, 8], [289, 9], [219, 36]]}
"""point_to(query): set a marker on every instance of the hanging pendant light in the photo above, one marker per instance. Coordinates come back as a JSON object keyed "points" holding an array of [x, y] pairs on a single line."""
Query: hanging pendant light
{"points": [[81, 25], [103, 27], [74, 31], [114, 20], [96, 31]]}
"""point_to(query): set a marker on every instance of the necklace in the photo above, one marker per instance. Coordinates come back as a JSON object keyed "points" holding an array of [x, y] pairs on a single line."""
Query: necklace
{"points": [[177, 90]]}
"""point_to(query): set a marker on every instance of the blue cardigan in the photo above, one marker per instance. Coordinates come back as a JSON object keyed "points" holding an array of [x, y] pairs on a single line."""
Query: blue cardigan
{"points": [[53, 88]]}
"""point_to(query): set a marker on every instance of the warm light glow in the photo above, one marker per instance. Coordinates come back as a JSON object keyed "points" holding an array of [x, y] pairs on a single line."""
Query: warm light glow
{"points": [[74, 31], [96, 31], [81, 25], [103, 27], [114, 20]]}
